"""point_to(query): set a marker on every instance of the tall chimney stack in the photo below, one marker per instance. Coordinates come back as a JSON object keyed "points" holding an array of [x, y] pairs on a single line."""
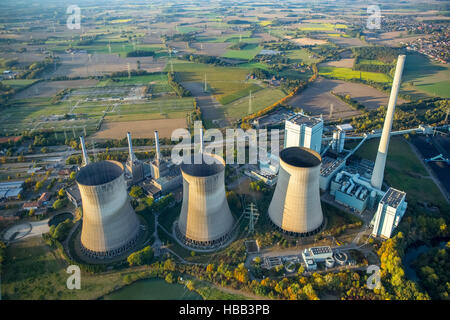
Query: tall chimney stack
{"points": [[378, 171], [84, 152], [201, 140], [158, 154], [130, 147]]}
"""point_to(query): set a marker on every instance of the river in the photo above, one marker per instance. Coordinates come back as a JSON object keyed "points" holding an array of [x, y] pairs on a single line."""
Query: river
{"points": [[153, 289]]}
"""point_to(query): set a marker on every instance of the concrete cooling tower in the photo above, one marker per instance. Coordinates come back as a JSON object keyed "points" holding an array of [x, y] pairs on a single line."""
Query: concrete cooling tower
{"points": [[110, 225], [205, 221], [295, 206]]}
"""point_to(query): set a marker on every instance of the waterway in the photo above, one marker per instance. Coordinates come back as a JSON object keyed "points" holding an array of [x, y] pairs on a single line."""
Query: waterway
{"points": [[153, 289], [412, 253]]}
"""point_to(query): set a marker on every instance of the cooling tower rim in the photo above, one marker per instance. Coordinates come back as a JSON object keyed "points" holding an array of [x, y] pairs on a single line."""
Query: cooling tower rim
{"points": [[300, 157], [85, 173], [203, 170]]}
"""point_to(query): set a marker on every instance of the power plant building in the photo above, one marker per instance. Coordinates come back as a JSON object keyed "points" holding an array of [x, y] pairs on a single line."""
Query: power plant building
{"points": [[110, 226], [205, 221], [165, 175], [330, 167], [295, 207], [390, 211], [303, 131]]}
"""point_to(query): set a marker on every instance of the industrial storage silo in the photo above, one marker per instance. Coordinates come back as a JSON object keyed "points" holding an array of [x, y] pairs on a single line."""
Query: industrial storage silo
{"points": [[295, 206], [110, 225], [205, 220]]}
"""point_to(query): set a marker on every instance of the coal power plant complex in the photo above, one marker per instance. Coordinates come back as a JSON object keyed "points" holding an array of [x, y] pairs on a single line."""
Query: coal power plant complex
{"points": [[110, 225], [295, 207], [205, 221]]}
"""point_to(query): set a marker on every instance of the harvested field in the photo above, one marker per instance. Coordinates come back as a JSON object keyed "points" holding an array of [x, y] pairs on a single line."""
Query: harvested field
{"points": [[346, 42], [210, 48], [366, 95], [308, 41], [316, 99], [395, 38], [343, 63], [139, 129], [50, 88], [79, 65]]}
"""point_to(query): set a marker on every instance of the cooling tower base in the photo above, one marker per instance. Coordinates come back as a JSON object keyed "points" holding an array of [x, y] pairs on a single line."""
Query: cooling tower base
{"points": [[203, 246], [79, 253], [111, 253], [300, 234]]}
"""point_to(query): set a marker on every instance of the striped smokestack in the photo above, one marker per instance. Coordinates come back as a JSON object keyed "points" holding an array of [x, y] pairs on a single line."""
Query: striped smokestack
{"points": [[378, 171], [83, 150], [158, 154]]}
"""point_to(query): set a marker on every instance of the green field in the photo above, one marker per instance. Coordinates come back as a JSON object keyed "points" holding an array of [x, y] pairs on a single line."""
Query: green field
{"points": [[222, 80], [404, 171], [158, 82], [18, 83], [28, 114], [161, 108], [423, 77], [301, 55], [232, 38], [348, 73], [34, 271], [375, 62], [187, 29], [321, 26], [118, 46], [247, 53], [260, 100], [239, 94]]}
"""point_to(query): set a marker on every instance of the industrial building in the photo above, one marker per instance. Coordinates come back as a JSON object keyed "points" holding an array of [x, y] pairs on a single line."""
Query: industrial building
{"points": [[390, 210], [314, 255], [11, 190], [303, 131], [339, 137], [165, 175], [110, 226], [205, 221], [295, 207], [74, 196], [330, 167]]}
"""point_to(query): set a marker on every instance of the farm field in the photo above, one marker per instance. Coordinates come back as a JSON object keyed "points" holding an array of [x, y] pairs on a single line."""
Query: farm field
{"points": [[423, 77], [247, 53], [222, 80], [139, 128], [348, 73], [302, 55], [19, 83], [80, 65], [316, 99], [368, 96], [321, 26], [161, 108], [240, 94], [50, 88], [41, 113], [260, 100]]}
